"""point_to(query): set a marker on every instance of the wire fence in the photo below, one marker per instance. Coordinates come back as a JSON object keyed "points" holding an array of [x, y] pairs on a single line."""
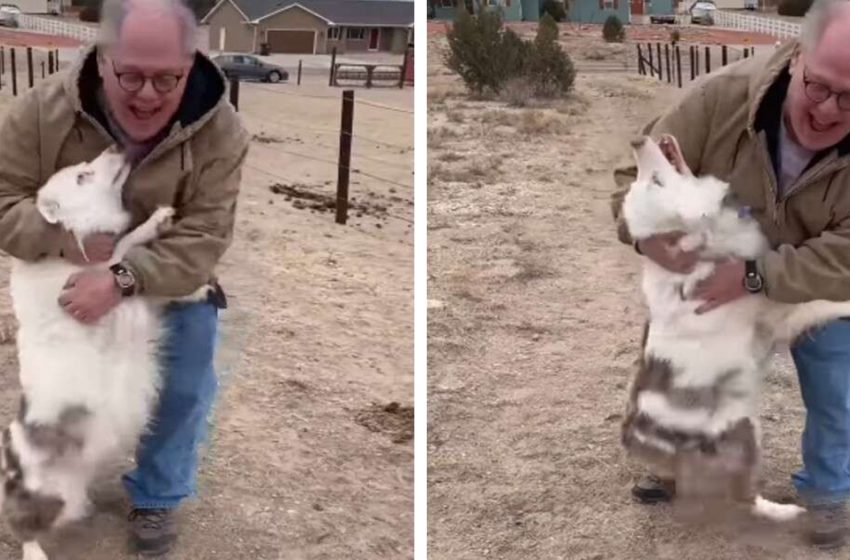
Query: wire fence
{"points": [[678, 64], [300, 131]]}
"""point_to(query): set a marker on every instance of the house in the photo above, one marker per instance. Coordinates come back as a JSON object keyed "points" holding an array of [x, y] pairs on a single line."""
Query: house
{"points": [[512, 10], [310, 26], [597, 11]]}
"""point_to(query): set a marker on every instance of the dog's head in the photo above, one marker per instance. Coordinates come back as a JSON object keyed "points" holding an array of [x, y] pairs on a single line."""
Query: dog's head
{"points": [[666, 196], [75, 194]]}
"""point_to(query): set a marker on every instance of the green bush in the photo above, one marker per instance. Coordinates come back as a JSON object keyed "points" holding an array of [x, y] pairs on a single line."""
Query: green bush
{"points": [[675, 36], [550, 69], [796, 8], [554, 9], [488, 57], [612, 30]]}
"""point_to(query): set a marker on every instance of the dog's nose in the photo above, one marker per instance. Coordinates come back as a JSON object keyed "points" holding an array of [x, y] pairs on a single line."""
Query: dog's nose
{"points": [[638, 143]]}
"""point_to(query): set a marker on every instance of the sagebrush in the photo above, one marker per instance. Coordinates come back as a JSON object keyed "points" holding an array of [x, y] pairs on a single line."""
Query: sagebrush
{"points": [[488, 57], [613, 31]]}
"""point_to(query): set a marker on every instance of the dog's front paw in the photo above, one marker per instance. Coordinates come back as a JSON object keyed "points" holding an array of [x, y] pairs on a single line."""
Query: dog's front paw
{"points": [[32, 551], [163, 217]]}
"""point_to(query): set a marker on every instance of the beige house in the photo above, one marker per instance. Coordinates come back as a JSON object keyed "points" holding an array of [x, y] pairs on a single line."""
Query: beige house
{"points": [[310, 26]]}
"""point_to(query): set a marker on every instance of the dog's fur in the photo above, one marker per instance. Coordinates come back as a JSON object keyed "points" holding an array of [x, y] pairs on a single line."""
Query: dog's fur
{"points": [[692, 413], [88, 390]]}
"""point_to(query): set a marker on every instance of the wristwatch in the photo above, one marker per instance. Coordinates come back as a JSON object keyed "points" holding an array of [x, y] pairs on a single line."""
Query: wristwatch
{"points": [[753, 281], [124, 279]]}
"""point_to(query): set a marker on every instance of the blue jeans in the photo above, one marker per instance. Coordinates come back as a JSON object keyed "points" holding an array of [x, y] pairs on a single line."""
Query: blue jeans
{"points": [[167, 457], [823, 367]]}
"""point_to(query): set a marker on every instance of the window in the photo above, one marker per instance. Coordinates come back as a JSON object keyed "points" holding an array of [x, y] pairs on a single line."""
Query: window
{"points": [[334, 33], [357, 33]]}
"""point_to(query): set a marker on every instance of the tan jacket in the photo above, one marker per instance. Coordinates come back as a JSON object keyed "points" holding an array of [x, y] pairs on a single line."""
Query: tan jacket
{"points": [[727, 125], [196, 168]]}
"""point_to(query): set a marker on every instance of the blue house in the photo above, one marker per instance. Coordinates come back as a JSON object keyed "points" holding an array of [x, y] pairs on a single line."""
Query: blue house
{"points": [[597, 11], [512, 10]]}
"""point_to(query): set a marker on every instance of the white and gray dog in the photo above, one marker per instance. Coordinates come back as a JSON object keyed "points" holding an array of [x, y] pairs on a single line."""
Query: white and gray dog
{"points": [[88, 390], [693, 409]]}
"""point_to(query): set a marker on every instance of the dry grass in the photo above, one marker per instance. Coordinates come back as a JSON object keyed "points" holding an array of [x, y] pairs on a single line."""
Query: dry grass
{"points": [[478, 169], [542, 122]]}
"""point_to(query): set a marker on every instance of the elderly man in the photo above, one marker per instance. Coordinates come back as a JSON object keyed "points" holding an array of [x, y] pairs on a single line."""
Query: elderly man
{"points": [[777, 128], [145, 87]]}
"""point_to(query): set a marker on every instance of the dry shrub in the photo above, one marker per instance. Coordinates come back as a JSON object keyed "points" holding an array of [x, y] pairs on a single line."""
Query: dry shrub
{"points": [[541, 122]]}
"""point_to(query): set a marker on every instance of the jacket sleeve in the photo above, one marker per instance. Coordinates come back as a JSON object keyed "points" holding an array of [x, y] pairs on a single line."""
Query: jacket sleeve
{"points": [[24, 233], [816, 269], [184, 257], [688, 121]]}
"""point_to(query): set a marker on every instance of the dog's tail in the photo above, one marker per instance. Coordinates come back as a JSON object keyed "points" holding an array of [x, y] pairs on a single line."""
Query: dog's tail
{"points": [[774, 511]]}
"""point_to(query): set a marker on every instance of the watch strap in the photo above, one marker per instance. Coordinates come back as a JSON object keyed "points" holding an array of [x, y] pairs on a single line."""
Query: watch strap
{"points": [[124, 279]]}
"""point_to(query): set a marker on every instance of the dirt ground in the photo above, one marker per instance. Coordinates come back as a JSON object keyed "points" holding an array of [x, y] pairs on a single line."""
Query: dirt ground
{"points": [[534, 325], [311, 453]]}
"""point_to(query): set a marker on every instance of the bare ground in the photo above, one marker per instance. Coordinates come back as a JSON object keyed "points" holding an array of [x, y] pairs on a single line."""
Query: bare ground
{"points": [[310, 455], [534, 323]]}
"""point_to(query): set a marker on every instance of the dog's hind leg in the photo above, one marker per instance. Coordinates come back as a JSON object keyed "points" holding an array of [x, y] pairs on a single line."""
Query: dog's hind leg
{"points": [[33, 551]]}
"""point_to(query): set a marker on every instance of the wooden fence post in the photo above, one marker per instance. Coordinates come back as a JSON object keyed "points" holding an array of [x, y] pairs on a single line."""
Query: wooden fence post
{"points": [[724, 55], [691, 53], [234, 93], [29, 67], [14, 74], [299, 71], [651, 64], [641, 68], [660, 68], [667, 58], [345, 135], [333, 67], [679, 65], [50, 62], [42, 70], [707, 60], [746, 52], [403, 68]]}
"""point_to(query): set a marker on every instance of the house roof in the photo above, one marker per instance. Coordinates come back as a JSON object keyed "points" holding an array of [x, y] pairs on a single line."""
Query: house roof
{"points": [[336, 12]]}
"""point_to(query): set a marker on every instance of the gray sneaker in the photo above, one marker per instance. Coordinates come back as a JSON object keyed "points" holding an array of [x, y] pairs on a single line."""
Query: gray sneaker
{"points": [[153, 531], [828, 525]]}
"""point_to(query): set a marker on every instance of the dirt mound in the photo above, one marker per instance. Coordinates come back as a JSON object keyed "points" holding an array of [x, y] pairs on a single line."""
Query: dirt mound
{"points": [[392, 419]]}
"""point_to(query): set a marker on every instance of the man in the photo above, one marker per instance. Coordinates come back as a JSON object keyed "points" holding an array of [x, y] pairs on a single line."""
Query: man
{"points": [[145, 87], [777, 128]]}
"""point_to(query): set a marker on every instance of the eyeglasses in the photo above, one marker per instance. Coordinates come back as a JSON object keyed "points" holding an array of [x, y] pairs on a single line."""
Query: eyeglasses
{"points": [[819, 93], [133, 82]]}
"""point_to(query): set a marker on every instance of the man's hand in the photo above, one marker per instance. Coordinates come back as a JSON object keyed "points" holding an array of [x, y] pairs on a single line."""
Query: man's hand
{"points": [[89, 295], [725, 284], [98, 247], [664, 251]]}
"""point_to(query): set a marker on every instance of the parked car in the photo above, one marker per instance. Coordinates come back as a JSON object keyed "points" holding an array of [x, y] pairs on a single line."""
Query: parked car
{"points": [[702, 13], [662, 18], [751, 4], [9, 15], [241, 66]]}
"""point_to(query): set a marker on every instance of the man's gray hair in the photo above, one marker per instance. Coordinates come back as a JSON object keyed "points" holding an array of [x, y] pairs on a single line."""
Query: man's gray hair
{"points": [[113, 13], [817, 18]]}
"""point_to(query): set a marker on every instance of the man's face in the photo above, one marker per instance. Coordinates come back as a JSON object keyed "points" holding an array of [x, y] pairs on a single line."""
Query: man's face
{"points": [[144, 73], [815, 115]]}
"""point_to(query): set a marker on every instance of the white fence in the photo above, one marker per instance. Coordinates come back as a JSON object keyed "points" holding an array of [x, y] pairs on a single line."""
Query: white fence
{"points": [[53, 26], [770, 26]]}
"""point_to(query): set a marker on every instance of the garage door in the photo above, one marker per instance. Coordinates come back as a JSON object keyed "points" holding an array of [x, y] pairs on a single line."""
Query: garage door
{"points": [[290, 41]]}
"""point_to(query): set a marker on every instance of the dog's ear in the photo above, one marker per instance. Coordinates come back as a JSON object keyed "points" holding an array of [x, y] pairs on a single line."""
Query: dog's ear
{"points": [[652, 165], [671, 150], [49, 209]]}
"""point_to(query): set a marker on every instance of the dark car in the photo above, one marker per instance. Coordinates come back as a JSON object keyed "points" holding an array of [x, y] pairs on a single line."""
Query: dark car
{"points": [[241, 66]]}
